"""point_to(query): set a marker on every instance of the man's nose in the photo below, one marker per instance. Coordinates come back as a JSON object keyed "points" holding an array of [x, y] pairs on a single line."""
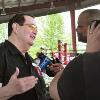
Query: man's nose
{"points": [[34, 31]]}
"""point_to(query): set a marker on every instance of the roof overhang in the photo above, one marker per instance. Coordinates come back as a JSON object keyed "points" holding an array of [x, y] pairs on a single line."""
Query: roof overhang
{"points": [[40, 7]]}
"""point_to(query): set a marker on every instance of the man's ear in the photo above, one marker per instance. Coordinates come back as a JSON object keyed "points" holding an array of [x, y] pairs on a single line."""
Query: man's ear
{"points": [[15, 27]]}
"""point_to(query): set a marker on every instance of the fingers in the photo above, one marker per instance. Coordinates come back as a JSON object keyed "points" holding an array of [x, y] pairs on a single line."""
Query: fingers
{"points": [[91, 28], [26, 83], [56, 67], [21, 85], [94, 31], [29, 79], [17, 71], [14, 76], [97, 31], [93, 38]]}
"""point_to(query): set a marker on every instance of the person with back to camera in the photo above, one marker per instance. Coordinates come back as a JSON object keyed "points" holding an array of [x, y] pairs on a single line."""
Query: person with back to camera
{"points": [[69, 84]]}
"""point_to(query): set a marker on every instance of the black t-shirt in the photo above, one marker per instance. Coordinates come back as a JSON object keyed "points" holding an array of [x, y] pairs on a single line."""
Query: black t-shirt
{"points": [[10, 58], [92, 75], [71, 83]]}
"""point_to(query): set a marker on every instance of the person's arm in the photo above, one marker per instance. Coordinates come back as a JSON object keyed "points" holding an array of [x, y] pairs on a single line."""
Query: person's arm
{"points": [[53, 86], [17, 86], [5, 93]]}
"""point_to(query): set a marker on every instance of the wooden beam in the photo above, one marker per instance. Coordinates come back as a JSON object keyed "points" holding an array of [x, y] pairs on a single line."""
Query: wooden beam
{"points": [[33, 7]]}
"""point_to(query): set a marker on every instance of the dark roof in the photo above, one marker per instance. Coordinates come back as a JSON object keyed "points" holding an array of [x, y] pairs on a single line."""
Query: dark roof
{"points": [[40, 7]]}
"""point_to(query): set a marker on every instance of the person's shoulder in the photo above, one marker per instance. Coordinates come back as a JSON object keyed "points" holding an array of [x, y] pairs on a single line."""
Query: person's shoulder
{"points": [[75, 65], [80, 56], [92, 54], [2, 47], [76, 60]]}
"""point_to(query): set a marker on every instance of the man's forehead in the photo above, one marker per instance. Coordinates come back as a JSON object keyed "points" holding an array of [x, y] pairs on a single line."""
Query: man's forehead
{"points": [[29, 19], [83, 20]]}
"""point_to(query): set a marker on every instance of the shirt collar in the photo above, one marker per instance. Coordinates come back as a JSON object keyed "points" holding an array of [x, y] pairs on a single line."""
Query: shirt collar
{"points": [[12, 48]]}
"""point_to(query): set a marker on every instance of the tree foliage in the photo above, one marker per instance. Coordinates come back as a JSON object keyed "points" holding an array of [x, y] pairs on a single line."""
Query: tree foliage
{"points": [[3, 32], [50, 30]]}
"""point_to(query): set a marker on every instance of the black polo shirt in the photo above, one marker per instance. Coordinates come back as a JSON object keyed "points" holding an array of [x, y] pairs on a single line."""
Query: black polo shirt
{"points": [[10, 58]]}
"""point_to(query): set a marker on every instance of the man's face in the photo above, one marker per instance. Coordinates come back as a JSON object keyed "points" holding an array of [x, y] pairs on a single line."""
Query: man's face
{"points": [[27, 32], [82, 28]]}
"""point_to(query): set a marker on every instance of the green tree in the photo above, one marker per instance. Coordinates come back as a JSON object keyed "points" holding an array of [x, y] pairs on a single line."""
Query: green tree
{"points": [[50, 30], [3, 32]]}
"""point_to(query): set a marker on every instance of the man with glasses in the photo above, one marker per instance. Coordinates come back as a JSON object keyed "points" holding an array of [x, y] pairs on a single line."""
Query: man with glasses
{"points": [[70, 83], [18, 77]]}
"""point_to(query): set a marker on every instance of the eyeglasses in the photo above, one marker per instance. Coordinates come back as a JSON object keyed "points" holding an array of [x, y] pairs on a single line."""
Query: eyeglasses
{"points": [[32, 27]]}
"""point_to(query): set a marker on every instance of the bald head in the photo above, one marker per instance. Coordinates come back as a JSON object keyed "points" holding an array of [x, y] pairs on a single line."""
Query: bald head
{"points": [[84, 20], [92, 14]]}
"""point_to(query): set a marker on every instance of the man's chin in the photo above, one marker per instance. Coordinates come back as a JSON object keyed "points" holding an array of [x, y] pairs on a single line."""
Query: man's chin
{"points": [[31, 43]]}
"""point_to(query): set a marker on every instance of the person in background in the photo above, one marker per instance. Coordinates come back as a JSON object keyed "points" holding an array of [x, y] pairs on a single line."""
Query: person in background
{"points": [[69, 84], [48, 65]]}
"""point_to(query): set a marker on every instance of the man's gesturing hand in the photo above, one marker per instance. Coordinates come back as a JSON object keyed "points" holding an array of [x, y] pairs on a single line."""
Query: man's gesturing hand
{"points": [[20, 85]]}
